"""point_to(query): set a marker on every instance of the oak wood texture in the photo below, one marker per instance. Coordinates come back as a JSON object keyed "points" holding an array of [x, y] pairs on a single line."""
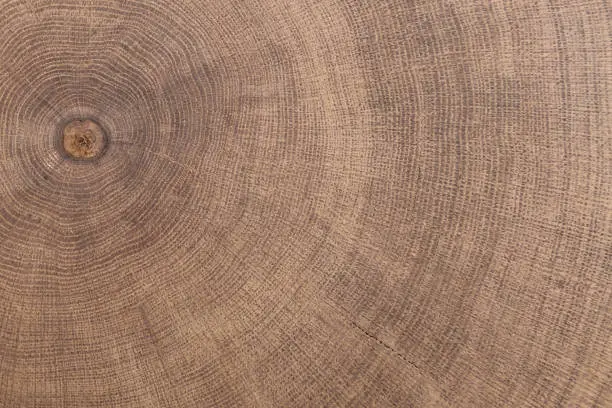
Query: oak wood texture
{"points": [[390, 203]]}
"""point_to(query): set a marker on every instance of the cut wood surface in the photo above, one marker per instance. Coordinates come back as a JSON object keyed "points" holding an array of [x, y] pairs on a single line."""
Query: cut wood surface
{"points": [[309, 203]]}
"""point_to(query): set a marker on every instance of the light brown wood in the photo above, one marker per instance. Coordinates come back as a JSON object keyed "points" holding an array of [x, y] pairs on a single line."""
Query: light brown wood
{"points": [[83, 139], [305, 203]]}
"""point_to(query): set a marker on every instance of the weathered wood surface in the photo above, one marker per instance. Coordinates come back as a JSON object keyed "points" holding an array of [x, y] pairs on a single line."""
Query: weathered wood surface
{"points": [[306, 203]]}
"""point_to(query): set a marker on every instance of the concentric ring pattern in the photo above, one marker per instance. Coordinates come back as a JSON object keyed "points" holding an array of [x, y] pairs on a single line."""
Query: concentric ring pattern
{"points": [[307, 203]]}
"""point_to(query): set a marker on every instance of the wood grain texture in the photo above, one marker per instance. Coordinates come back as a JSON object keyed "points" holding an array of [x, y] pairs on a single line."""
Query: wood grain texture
{"points": [[307, 203], [82, 139]]}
